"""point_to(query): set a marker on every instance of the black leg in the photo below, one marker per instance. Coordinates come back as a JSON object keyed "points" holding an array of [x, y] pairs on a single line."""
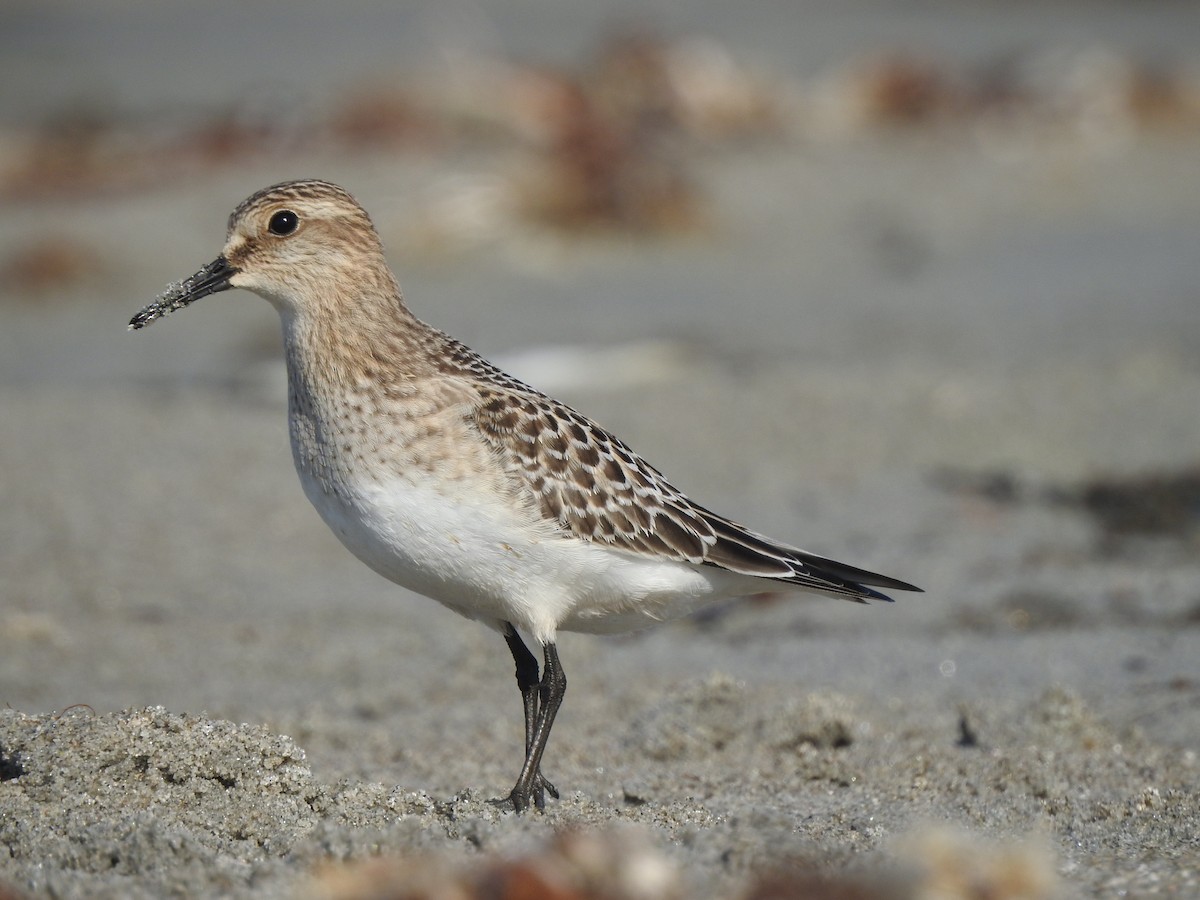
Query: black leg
{"points": [[541, 700], [527, 679], [531, 786]]}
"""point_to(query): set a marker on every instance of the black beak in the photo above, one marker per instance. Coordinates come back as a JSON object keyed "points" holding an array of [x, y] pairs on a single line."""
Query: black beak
{"points": [[212, 279]]}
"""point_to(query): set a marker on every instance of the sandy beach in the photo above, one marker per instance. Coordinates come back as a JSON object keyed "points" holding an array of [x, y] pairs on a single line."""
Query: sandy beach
{"points": [[885, 322]]}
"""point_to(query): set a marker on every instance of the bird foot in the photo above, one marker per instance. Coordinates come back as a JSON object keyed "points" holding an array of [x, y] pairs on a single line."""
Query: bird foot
{"points": [[520, 797]]}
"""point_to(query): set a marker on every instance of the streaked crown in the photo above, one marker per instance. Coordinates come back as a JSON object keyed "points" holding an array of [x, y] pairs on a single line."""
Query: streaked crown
{"points": [[305, 245]]}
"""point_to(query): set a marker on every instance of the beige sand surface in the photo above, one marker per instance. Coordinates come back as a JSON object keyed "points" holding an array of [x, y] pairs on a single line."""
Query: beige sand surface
{"points": [[164, 579]]}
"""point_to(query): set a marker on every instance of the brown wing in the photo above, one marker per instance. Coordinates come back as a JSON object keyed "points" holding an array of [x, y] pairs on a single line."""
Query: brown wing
{"points": [[596, 488], [588, 481]]}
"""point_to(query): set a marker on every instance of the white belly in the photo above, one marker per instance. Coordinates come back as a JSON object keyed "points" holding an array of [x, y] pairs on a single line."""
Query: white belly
{"points": [[487, 560]]}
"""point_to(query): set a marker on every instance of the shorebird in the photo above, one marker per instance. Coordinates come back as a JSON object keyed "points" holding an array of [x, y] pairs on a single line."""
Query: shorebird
{"points": [[458, 481]]}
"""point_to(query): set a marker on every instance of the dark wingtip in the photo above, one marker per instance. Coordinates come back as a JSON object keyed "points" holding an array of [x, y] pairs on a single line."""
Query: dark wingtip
{"points": [[876, 580], [894, 585], [874, 595]]}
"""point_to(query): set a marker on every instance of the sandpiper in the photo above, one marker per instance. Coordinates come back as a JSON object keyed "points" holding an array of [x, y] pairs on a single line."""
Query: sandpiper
{"points": [[460, 482]]}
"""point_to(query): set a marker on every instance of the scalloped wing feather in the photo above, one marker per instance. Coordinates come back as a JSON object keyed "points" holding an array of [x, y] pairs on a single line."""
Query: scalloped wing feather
{"points": [[596, 488]]}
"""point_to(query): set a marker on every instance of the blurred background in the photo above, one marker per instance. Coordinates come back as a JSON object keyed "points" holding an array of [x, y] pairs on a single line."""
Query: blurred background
{"points": [[861, 274], [856, 273], [912, 284], [983, 182]]}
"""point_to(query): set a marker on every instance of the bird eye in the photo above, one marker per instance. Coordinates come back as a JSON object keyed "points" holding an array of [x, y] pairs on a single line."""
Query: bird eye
{"points": [[283, 222]]}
